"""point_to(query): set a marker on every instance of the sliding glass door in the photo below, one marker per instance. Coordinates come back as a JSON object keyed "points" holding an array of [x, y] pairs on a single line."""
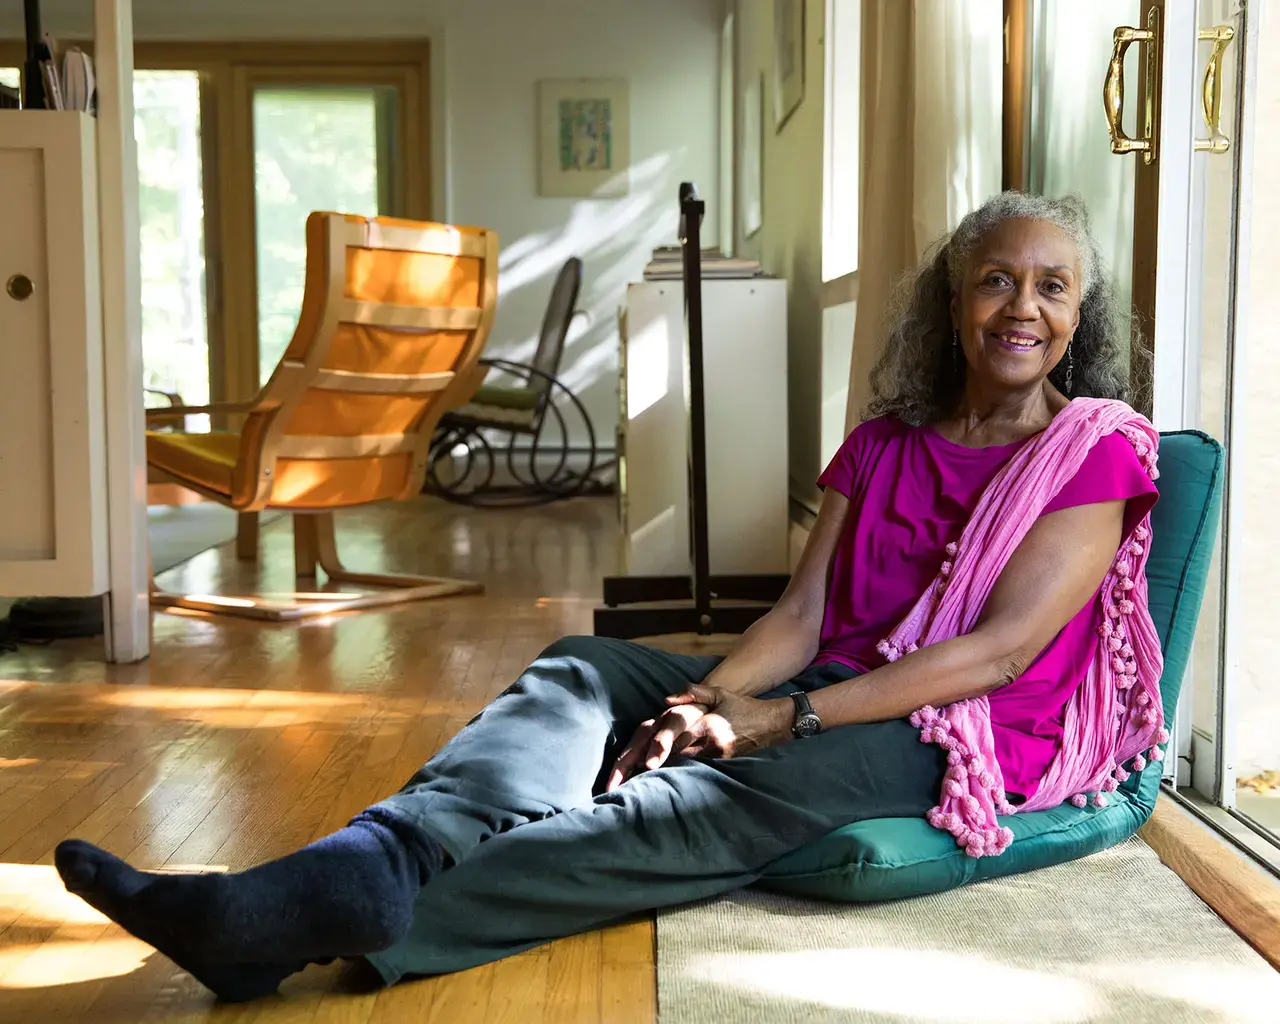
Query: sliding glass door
{"points": [[1235, 718], [1169, 201], [1228, 729]]}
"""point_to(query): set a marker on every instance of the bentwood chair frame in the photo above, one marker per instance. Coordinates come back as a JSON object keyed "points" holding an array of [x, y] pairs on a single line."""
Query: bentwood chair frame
{"points": [[269, 442], [521, 412]]}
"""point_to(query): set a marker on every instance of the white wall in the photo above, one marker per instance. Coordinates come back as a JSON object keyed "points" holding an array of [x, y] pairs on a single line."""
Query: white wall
{"points": [[487, 56], [789, 242], [837, 352]]}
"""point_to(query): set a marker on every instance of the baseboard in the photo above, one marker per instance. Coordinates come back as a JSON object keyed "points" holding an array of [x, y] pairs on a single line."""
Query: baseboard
{"points": [[1233, 886]]}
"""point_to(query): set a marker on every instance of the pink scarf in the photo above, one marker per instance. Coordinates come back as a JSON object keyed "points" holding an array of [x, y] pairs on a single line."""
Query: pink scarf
{"points": [[1115, 714]]}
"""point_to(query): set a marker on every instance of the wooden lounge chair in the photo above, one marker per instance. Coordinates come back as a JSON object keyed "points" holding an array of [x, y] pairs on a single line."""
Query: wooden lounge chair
{"points": [[394, 316]]}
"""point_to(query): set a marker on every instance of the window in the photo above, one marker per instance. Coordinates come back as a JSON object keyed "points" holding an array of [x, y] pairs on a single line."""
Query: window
{"points": [[11, 77], [842, 142], [175, 337]]}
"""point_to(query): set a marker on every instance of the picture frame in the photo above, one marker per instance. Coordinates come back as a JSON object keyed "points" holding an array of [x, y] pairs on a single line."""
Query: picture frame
{"points": [[751, 187], [584, 137], [788, 59]]}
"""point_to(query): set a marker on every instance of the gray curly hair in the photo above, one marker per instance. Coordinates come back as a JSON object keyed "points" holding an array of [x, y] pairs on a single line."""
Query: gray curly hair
{"points": [[918, 378]]}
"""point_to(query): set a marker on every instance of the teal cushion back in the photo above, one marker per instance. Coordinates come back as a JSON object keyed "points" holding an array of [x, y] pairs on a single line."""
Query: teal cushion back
{"points": [[893, 858], [1184, 526]]}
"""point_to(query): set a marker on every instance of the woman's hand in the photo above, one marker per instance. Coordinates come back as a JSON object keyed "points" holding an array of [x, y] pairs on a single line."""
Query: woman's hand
{"points": [[704, 721]]}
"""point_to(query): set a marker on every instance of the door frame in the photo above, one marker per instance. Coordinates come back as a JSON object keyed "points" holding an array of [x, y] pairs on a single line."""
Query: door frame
{"points": [[1240, 447], [231, 71]]}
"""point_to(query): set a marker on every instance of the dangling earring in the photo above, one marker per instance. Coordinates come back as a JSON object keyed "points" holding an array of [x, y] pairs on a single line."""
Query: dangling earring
{"points": [[955, 348], [1071, 366]]}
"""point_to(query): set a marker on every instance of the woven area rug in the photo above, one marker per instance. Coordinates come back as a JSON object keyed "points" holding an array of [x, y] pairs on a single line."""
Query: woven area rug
{"points": [[1114, 937]]}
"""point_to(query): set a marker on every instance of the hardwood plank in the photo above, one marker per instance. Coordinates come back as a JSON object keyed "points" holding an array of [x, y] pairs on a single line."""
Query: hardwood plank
{"points": [[631, 942], [518, 990], [573, 979], [460, 996], [409, 1002], [364, 785], [629, 993], [238, 742]]}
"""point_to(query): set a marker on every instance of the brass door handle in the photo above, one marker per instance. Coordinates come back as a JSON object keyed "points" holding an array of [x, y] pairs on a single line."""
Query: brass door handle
{"points": [[1113, 88], [1211, 90]]}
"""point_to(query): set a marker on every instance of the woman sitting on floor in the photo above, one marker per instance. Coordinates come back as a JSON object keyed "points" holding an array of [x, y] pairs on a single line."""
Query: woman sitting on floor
{"points": [[966, 635]]}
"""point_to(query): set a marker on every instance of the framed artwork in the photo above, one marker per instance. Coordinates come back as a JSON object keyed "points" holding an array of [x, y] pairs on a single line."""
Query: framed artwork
{"points": [[752, 185], [584, 137], [788, 59]]}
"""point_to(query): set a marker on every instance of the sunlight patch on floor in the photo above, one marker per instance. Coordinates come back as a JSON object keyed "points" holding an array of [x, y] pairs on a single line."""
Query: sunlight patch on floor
{"points": [[35, 895], [1234, 992], [938, 985], [166, 698], [59, 962], [923, 985]]}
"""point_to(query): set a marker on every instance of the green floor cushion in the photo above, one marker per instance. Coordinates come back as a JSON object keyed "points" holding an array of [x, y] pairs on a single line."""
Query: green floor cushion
{"points": [[893, 858]]}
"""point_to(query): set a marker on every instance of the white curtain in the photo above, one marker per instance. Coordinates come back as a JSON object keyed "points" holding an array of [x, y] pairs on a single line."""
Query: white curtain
{"points": [[932, 91], [959, 72]]}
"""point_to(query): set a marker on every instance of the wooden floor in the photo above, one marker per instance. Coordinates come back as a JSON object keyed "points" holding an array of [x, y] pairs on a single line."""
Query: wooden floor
{"points": [[238, 742]]}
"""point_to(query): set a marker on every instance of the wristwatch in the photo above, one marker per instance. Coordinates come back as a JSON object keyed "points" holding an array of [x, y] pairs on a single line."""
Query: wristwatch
{"points": [[807, 722]]}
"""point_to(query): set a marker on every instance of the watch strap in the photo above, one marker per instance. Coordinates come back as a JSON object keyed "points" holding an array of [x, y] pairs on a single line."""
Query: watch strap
{"points": [[803, 705]]}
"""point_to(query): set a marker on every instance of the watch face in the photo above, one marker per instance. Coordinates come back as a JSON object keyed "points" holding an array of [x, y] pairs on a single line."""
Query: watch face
{"points": [[808, 725]]}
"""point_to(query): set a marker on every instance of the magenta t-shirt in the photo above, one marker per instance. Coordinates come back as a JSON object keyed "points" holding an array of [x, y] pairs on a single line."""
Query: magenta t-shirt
{"points": [[911, 492]]}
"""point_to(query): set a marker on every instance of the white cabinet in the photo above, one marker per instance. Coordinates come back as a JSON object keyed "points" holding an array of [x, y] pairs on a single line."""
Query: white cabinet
{"points": [[53, 515], [745, 368]]}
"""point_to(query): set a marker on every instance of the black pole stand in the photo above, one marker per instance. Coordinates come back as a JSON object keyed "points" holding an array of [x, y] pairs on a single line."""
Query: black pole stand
{"points": [[33, 96], [703, 603]]}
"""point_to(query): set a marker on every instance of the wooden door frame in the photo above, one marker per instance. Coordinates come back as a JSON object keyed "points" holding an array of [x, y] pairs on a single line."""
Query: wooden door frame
{"points": [[1016, 96], [228, 70], [233, 70]]}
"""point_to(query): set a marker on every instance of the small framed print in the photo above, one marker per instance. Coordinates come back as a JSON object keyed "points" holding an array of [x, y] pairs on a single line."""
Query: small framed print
{"points": [[584, 137]]}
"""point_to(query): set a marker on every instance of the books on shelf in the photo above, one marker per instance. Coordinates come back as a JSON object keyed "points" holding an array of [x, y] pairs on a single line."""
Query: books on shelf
{"points": [[667, 265], [66, 81], [79, 87]]}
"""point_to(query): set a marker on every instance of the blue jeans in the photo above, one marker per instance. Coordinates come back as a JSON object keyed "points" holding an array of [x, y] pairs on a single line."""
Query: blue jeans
{"points": [[539, 851]]}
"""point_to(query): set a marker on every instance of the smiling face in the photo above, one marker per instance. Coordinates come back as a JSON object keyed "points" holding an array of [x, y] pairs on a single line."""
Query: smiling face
{"points": [[1018, 304]]}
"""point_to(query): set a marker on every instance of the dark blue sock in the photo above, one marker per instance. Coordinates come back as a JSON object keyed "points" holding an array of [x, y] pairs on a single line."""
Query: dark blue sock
{"points": [[346, 895]]}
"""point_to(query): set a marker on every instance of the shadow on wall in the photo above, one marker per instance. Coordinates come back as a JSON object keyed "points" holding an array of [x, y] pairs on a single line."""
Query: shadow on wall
{"points": [[614, 238]]}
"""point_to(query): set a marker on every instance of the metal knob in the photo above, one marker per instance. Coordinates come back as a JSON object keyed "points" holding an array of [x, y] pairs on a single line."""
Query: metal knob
{"points": [[19, 287]]}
